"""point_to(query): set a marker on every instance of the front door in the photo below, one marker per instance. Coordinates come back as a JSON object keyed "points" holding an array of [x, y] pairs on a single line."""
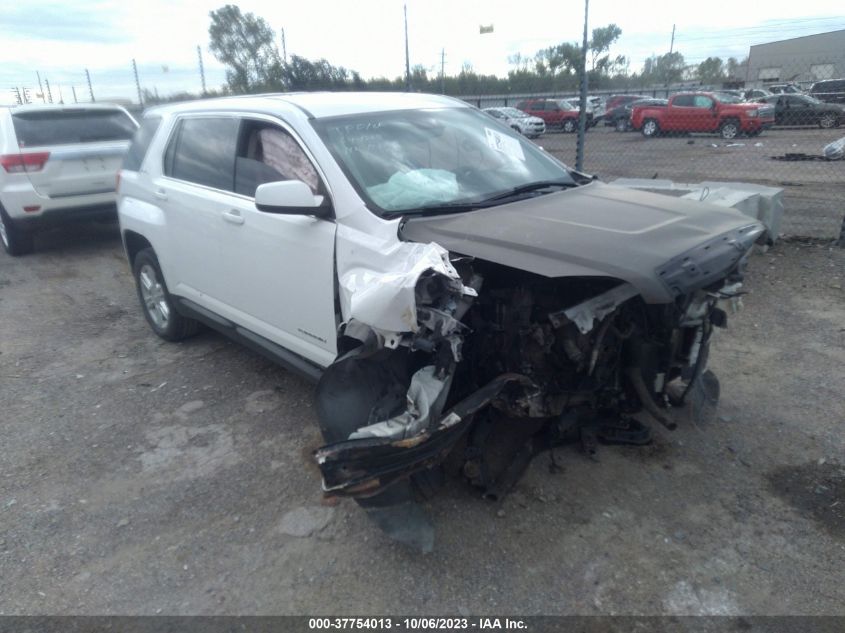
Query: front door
{"points": [[278, 270]]}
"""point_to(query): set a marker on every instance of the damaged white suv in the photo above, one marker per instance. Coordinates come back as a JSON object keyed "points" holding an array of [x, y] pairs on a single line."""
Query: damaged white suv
{"points": [[438, 275]]}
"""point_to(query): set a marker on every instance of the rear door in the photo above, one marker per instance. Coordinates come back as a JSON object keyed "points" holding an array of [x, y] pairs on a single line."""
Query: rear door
{"points": [[85, 146], [194, 191]]}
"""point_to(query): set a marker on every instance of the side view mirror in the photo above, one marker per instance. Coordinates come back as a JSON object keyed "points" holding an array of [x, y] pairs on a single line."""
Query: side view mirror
{"points": [[290, 197]]}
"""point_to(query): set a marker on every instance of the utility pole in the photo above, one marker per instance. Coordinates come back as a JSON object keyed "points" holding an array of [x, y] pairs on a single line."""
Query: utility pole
{"points": [[90, 89], [407, 56], [18, 97], [49, 94], [137, 82], [284, 47], [73, 90], [40, 86], [582, 115], [443, 71], [202, 70], [672, 43]]}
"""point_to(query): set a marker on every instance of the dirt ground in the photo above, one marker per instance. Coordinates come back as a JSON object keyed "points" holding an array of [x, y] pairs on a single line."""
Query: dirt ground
{"points": [[142, 477], [812, 189]]}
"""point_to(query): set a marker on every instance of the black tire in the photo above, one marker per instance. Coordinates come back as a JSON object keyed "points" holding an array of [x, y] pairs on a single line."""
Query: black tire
{"points": [[828, 120], [729, 129], [569, 126], [156, 302], [754, 133], [516, 129], [650, 128], [15, 241], [621, 125]]}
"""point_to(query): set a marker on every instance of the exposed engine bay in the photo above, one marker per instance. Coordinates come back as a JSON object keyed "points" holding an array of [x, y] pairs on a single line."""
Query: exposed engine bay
{"points": [[580, 316], [583, 357]]}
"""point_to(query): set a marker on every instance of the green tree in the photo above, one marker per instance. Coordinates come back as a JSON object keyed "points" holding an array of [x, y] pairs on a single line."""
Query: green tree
{"points": [[599, 45], [664, 69], [246, 44], [711, 70]]}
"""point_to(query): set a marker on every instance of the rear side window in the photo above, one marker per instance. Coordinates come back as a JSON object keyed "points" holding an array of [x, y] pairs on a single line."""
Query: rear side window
{"points": [[828, 86], [67, 126], [202, 151], [140, 143], [684, 100]]}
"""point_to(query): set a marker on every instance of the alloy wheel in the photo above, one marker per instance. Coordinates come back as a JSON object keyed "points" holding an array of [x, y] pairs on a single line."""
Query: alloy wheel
{"points": [[155, 300], [3, 234]]}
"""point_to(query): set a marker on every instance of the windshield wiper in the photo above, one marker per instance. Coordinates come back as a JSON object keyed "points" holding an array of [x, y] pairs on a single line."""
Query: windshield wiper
{"points": [[462, 206], [529, 187], [438, 208]]}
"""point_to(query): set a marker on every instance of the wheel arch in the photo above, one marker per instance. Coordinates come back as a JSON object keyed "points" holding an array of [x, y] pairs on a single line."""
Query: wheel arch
{"points": [[134, 243]]}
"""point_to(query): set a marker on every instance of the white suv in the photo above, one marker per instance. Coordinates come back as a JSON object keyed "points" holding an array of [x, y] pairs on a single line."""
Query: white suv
{"points": [[433, 270], [525, 124], [58, 164]]}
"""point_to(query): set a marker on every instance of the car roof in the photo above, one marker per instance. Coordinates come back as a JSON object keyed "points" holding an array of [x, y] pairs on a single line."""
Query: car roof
{"points": [[67, 107], [320, 104]]}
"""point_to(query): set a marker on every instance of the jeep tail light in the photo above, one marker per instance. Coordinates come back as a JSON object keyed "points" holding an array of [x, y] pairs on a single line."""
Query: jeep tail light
{"points": [[19, 163]]}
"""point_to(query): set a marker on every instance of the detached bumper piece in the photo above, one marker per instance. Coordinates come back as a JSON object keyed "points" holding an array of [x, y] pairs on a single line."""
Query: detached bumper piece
{"points": [[365, 467]]}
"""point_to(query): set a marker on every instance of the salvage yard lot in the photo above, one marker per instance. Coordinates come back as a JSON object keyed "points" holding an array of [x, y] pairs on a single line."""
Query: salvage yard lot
{"points": [[141, 477], [812, 189]]}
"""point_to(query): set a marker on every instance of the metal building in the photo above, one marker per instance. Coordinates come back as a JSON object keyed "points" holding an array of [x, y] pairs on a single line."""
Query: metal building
{"points": [[802, 60]]}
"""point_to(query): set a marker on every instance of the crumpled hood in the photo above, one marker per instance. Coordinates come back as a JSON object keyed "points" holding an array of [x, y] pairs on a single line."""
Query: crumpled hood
{"points": [[660, 244]]}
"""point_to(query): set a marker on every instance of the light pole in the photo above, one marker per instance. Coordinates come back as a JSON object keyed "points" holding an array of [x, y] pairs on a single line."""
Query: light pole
{"points": [[582, 115], [407, 56]]}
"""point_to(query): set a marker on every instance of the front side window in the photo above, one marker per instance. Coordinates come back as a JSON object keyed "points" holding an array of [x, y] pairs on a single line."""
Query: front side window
{"points": [[267, 153], [701, 101], [202, 151], [404, 160]]}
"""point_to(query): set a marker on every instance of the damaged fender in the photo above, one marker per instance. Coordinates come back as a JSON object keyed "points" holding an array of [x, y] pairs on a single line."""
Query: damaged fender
{"points": [[381, 294], [365, 467]]}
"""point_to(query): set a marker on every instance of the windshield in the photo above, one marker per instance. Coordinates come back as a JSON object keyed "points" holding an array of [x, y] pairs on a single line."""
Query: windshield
{"points": [[513, 113], [408, 159], [727, 98]]}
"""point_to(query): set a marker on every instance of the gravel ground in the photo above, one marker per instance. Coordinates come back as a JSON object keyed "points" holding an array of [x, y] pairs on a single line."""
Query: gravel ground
{"points": [[142, 477], [812, 189]]}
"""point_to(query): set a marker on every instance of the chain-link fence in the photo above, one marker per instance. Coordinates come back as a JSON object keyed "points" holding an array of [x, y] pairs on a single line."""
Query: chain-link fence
{"points": [[764, 131]]}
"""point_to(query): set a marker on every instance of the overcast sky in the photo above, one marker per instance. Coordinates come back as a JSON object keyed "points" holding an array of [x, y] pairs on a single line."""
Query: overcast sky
{"points": [[62, 39]]}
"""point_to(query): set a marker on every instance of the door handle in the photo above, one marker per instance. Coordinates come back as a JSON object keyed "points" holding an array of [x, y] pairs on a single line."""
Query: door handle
{"points": [[233, 217], [160, 194]]}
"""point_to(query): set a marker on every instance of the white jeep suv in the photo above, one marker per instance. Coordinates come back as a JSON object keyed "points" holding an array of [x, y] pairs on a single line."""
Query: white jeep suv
{"points": [[58, 164], [434, 271], [525, 124]]}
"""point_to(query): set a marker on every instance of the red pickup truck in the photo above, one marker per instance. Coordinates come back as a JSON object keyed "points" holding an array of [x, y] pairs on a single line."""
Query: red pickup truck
{"points": [[703, 112], [557, 113]]}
